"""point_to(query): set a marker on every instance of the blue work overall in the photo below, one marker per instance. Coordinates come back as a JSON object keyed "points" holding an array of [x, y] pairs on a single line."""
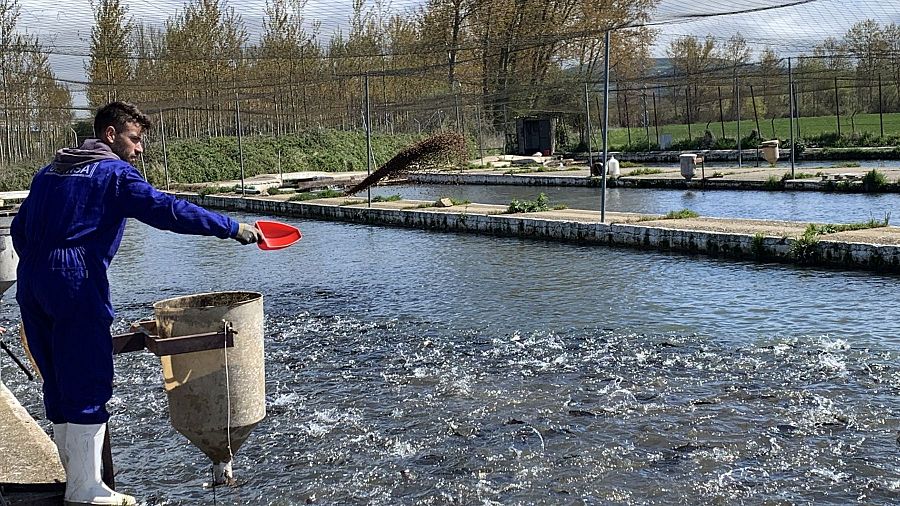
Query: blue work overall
{"points": [[66, 233]]}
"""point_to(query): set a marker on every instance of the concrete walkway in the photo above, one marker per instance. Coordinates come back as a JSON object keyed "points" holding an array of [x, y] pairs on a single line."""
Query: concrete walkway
{"points": [[301, 180], [876, 249], [30, 471], [13, 196], [820, 178]]}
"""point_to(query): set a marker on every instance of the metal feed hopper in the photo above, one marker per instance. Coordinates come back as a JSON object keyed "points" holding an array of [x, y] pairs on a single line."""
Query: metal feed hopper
{"points": [[216, 397]]}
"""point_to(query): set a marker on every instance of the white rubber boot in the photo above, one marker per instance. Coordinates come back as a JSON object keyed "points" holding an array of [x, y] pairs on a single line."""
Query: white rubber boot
{"points": [[84, 443], [59, 437]]}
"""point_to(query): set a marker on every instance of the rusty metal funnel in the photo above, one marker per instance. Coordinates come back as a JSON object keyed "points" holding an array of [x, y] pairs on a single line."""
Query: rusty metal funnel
{"points": [[216, 397]]}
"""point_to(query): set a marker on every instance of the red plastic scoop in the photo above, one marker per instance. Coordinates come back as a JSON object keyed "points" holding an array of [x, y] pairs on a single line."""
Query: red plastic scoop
{"points": [[277, 235]]}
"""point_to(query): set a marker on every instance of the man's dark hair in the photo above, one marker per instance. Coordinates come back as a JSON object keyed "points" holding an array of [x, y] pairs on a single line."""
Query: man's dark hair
{"points": [[117, 114]]}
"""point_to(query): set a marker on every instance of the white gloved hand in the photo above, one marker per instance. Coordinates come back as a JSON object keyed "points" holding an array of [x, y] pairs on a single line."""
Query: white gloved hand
{"points": [[247, 234]]}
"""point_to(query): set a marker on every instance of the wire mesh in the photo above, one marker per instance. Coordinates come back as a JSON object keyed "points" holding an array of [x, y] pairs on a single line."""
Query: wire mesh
{"points": [[677, 68]]}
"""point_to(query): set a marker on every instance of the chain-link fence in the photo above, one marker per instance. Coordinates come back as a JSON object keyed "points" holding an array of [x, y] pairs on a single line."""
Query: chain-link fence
{"points": [[701, 76]]}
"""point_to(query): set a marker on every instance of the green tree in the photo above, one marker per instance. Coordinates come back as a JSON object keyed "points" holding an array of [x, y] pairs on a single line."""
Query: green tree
{"points": [[36, 110], [693, 61], [109, 65], [867, 43]]}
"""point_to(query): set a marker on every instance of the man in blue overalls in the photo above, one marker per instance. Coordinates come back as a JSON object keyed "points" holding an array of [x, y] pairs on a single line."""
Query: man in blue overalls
{"points": [[66, 234]]}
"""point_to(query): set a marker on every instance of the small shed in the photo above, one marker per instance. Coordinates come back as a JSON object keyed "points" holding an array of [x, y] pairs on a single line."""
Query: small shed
{"points": [[536, 135]]}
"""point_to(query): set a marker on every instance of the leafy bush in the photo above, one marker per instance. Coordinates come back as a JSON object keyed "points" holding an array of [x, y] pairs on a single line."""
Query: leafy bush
{"points": [[682, 214], [832, 228], [390, 198], [874, 181], [686, 144], [672, 215], [757, 246], [774, 182], [212, 190], [324, 194], [804, 247], [17, 177], [799, 143], [853, 140], [644, 171], [541, 203]]}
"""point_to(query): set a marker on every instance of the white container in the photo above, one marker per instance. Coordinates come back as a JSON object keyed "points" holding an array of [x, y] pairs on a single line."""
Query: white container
{"points": [[9, 260], [688, 165], [613, 167], [769, 150]]}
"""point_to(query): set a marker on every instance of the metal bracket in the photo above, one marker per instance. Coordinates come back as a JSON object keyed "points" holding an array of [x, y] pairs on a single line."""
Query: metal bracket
{"points": [[144, 335]]}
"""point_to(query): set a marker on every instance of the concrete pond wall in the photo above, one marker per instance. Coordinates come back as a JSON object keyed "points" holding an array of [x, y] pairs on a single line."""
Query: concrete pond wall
{"points": [[570, 226], [669, 183]]}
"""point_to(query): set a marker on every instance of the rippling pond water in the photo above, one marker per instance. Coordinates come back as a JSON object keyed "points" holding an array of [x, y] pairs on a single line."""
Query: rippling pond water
{"points": [[782, 205], [407, 367]]}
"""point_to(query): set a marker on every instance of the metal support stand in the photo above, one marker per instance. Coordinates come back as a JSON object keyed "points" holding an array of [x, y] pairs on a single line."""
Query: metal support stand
{"points": [[144, 336]]}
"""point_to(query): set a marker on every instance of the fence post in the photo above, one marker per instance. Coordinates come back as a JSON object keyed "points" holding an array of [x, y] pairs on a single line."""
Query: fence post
{"points": [[656, 119], [480, 141], [605, 131], [280, 173], [144, 166], [796, 108], [368, 141], [837, 106], [791, 112], [755, 112], [456, 106], [237, 113], [737, 93], [162, 131], [721, 112], [646, 117], [880, 106], [687, 101], [587, 116], [627, 118]]}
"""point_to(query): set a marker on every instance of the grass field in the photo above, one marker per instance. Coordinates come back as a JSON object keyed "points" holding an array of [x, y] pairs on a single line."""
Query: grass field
{"points": [[813, 126]]}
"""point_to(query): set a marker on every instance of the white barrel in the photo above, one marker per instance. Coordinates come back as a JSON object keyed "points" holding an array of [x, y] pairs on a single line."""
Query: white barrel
{"points": [[9, 260], [613, 165], [216, 397], [770, 151], [688, 165]]}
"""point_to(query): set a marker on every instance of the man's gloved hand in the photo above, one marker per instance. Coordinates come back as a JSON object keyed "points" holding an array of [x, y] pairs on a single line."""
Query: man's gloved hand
{"points": [[247, 234]]}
